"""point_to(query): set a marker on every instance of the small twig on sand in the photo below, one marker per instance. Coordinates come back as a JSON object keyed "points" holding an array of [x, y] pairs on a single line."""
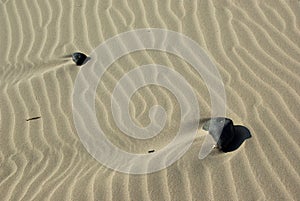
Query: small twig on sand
{"points": [[33, 118]]}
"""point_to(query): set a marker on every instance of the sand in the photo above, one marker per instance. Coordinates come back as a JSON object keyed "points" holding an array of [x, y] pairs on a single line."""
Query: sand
{"points": [[254, 44]]}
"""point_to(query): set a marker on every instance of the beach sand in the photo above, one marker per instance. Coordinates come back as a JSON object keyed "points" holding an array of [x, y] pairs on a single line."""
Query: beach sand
{"points": [[254, 44]]}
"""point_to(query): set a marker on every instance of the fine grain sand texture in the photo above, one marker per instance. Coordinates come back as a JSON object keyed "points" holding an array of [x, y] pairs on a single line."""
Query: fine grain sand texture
{"points": [[254, 44]]}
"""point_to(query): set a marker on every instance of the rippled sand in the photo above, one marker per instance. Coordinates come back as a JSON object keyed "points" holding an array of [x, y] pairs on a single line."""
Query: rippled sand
{"points": [[255, 46]]}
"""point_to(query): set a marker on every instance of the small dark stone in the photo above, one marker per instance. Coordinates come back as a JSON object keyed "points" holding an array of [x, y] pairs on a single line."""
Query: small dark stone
{"points": [[231, 136], [79, 58]]}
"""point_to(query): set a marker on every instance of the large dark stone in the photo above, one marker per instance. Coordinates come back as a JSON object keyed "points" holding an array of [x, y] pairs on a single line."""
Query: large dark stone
{"points": [[227, 136]]}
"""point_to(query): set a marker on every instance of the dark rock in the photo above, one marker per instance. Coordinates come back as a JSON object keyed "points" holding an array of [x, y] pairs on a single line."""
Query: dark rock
{"points": [[79, 58], [231, 136]]}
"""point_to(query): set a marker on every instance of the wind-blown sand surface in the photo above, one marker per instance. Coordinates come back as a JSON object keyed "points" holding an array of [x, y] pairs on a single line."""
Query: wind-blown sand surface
{"points": [[255, 46]]}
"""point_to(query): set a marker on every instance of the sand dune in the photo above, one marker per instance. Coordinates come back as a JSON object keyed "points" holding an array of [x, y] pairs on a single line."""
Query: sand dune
{"points": [[255, 46]]}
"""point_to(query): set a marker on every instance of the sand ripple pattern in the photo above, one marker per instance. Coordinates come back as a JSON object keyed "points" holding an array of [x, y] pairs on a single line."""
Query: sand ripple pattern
{"points": [[255, 45]]}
